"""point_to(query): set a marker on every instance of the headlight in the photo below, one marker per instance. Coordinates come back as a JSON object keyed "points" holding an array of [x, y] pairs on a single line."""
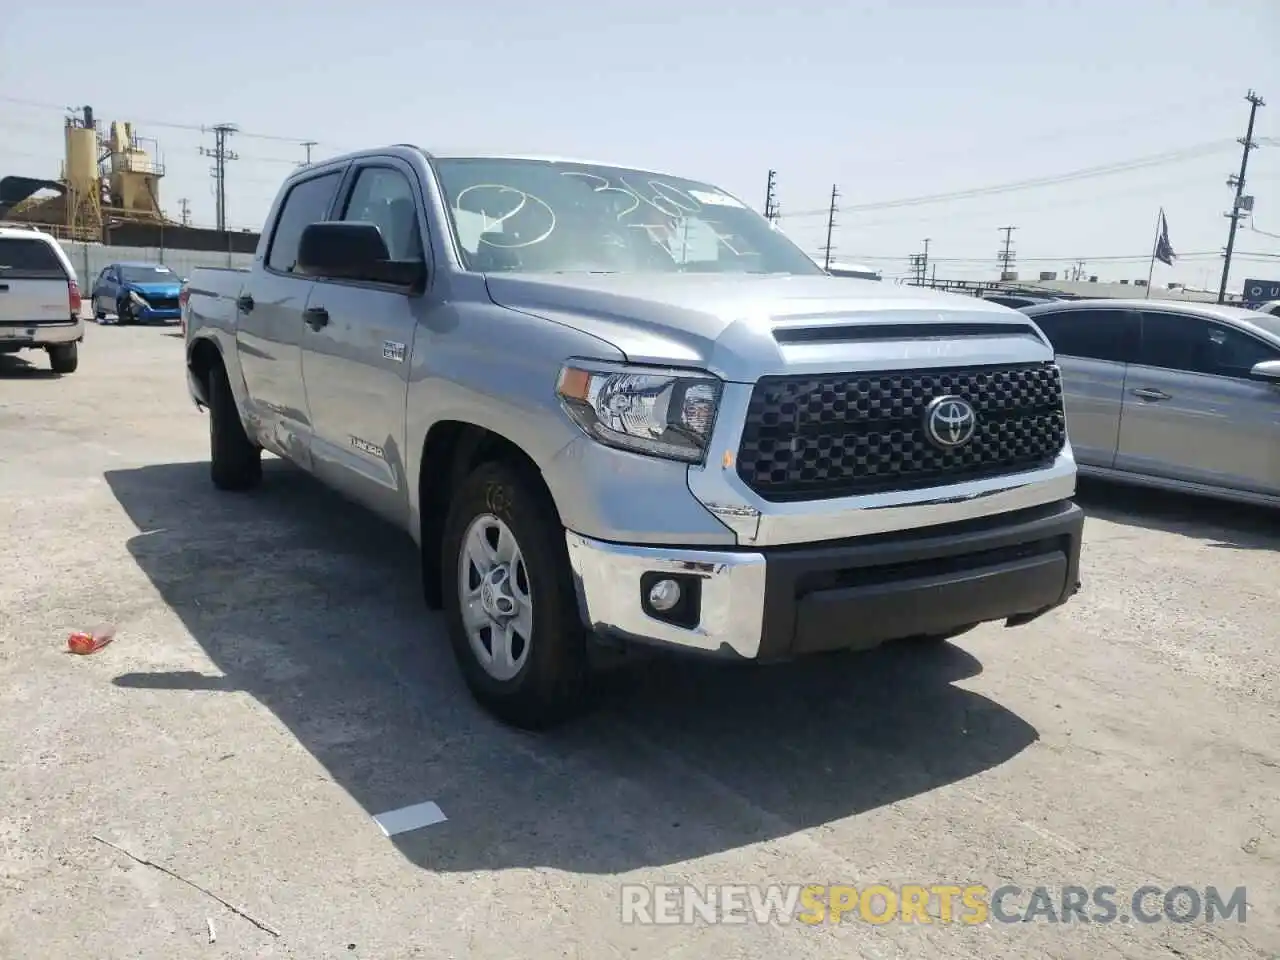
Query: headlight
{"points": [[664, 413], [136, 297]]}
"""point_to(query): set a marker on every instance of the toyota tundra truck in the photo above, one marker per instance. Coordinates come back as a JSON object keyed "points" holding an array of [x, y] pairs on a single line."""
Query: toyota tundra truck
{"points": [[616, 407]]}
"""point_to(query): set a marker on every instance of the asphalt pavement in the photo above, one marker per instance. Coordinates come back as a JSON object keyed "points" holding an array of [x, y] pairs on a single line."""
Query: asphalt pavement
{"points": [[276, 683]]}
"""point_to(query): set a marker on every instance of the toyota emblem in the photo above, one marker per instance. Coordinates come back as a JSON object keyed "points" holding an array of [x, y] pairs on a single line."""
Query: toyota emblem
{"points": [[950, 422]]}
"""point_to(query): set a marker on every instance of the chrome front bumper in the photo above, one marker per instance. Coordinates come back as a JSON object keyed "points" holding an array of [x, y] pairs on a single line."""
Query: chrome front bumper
{"points": [[608, 575], [780, 602]]}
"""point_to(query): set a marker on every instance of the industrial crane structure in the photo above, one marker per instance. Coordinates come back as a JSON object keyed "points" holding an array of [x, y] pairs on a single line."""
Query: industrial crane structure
{"points": [[107, 177]]}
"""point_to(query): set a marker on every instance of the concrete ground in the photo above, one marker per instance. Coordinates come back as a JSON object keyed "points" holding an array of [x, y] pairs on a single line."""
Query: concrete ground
{"points": [[275, 682]]}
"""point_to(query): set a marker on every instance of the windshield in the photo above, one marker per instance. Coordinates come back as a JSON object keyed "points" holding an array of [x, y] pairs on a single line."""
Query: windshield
{"points": [[544, 216], [148, 274]]}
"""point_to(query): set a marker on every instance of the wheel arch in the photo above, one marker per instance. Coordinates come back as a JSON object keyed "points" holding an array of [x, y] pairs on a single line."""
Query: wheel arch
{"points": [[451, 450], [203, 357]]}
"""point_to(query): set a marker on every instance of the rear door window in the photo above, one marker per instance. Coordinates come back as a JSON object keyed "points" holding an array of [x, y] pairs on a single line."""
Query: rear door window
{"points": [[22, 258], [1098, 334]]}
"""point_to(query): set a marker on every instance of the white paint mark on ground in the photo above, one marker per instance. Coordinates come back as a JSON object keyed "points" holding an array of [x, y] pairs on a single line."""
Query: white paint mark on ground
{"points": [[410, 818]]}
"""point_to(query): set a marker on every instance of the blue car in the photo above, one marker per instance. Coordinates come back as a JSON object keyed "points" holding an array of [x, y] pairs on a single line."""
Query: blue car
{"points": [[137, 292]]}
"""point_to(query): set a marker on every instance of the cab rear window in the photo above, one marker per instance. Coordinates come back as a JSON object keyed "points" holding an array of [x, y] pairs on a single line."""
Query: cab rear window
{"points": [[26, 259]]}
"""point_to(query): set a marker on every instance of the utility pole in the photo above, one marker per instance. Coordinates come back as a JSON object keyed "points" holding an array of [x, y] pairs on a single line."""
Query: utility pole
{"points": [[221, 155], [831, 225], [308, 144], [1255, 102], [1006, 255], [185, 205], [771, 197], [924, 265]]}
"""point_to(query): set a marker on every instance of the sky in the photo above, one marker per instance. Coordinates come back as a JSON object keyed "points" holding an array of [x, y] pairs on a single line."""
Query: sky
{"points": [[1124, 108]]}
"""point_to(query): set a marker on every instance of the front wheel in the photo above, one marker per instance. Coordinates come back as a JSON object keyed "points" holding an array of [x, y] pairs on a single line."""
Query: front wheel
{"points": [[509, 600], [124, 312]]}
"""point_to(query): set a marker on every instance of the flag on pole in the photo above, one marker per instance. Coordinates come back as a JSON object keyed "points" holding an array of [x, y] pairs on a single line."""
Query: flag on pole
{"points": [[1164, 249]]}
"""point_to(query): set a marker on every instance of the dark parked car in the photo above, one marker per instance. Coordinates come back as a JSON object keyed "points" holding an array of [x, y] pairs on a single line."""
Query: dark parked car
{"points": [[137, 292]]}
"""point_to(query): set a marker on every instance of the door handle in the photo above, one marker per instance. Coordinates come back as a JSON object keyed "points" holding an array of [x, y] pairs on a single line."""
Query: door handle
{"points": [[244, 302], [316, 317], [1147, 393]]}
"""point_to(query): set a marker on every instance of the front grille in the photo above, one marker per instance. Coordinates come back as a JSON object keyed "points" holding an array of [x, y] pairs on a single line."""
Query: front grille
{"points": [[839, 435], [163, 303]]}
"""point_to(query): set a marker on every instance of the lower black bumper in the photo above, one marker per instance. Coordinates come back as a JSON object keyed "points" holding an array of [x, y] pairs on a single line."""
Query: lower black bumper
{"points": [[782, 602], [859, 593]]}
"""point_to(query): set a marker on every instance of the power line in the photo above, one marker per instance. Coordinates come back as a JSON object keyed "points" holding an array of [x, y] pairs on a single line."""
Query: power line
{"points": [[831, 226], [1068, 258], [1247, 143], [164, 124], [1086, 173]]}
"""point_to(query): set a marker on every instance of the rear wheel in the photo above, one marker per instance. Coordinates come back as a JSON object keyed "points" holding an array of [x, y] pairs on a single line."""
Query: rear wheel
{"points": [[509, 600], [64, 358], [235, 461]]}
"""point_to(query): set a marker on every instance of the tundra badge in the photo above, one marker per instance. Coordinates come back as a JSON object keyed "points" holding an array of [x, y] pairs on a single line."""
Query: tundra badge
{"points": [[393, 351]]}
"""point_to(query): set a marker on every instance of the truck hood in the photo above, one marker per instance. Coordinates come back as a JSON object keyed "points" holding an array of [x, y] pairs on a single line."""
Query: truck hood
{"points": [[745, 326]]}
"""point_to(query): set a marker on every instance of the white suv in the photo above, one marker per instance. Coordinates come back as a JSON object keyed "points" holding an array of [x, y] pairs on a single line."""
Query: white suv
{"points": [[39, 297]]}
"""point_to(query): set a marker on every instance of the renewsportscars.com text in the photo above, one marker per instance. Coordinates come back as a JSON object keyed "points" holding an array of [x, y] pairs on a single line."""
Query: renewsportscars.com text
{"points": [[970, 904]]}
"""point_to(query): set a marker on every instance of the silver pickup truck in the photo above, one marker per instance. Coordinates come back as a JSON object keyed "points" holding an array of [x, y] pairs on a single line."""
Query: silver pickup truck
{"points": [[619, 407]]}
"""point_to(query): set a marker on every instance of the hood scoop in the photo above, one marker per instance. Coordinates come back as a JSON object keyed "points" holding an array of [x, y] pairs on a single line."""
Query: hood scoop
{"points": [[804, 332]]}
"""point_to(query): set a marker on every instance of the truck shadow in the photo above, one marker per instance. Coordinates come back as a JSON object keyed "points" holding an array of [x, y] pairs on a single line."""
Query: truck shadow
{"points": [[314, 608], [15, 367]]}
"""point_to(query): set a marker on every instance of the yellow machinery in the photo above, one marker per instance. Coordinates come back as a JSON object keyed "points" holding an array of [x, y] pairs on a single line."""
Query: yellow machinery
{"points": [[104, 179]]}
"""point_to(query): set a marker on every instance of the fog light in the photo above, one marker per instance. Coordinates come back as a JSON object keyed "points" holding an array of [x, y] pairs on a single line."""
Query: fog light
{"points": [[664, 595]]}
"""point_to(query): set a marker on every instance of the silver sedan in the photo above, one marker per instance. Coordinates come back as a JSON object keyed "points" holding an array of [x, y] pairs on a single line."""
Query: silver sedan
{"points": [[1183, 396]]}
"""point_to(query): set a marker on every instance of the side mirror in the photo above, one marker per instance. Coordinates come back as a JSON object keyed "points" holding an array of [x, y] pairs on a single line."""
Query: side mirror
{"points": [[353, 250], [1268, 370]]}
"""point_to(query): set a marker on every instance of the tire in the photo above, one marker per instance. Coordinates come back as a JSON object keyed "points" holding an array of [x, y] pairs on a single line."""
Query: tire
{"points": [[235, 462], [124, 313], [550, 679], [64, 358]]}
